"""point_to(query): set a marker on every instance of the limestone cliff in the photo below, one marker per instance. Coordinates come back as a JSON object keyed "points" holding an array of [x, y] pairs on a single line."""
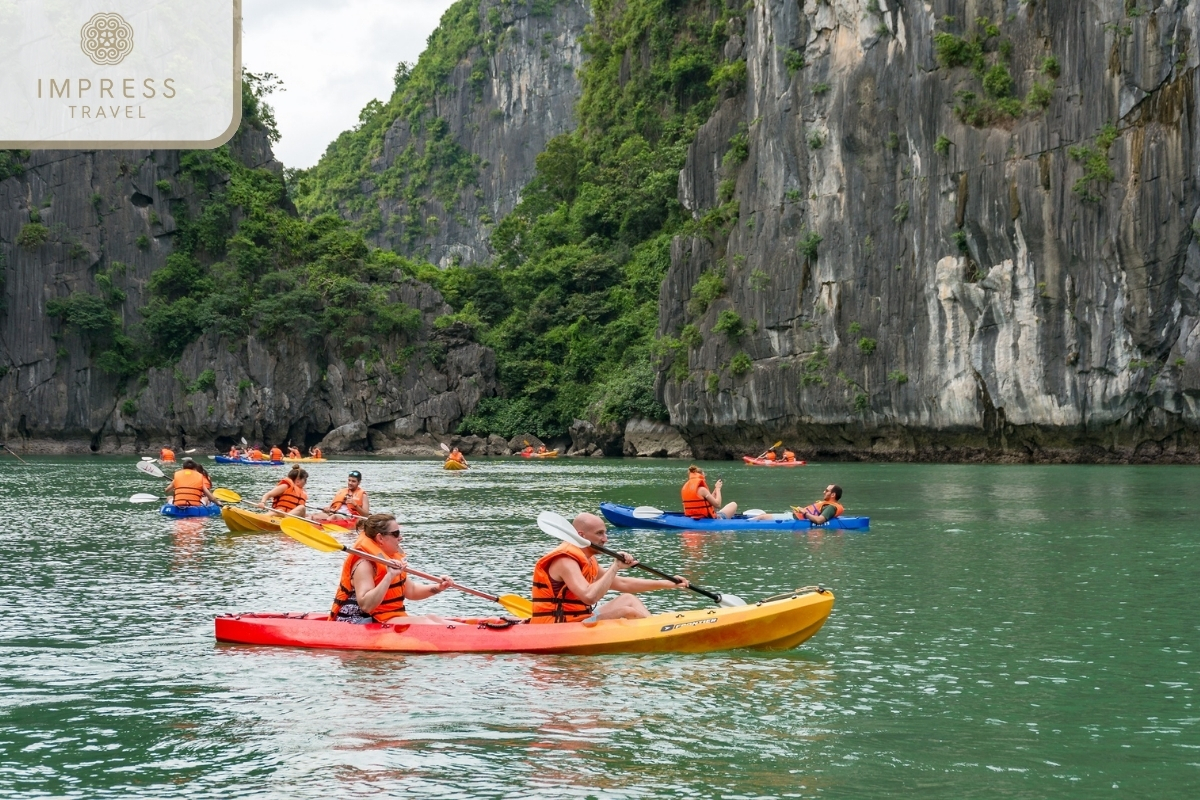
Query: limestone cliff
{"points": [[916, 253], [513, 90], [102, 221]]}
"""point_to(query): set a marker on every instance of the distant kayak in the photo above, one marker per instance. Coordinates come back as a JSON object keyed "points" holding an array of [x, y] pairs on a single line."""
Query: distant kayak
{"points": [[547, 454], [180, 512], [304, 460], [776, 623], [762, 462], [622, 517], [451, 464], [248, 462]]}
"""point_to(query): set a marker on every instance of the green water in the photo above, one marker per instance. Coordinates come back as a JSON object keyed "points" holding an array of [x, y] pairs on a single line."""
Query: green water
{"points": [[999, 632]]}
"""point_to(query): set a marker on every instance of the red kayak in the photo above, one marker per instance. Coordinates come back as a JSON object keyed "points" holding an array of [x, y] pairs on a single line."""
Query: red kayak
{"points": [[762, 462]]}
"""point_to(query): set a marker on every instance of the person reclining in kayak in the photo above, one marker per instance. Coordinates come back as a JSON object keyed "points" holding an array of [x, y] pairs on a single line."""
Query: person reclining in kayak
{"points": [[371, 592], [568, 582], [352, 501], [288, 496], [819, 512], [699, 502], [190, 486]]}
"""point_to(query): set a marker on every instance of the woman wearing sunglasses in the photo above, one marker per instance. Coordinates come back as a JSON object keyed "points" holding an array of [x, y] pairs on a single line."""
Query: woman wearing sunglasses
{"points": [[372, 592]]}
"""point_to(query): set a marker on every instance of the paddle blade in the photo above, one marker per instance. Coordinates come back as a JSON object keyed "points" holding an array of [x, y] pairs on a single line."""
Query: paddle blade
{"points": [[227, 495], [517, 606], [556, 525], [647, 512], [147, 458], [145, 498], [731, 601], [243, 441], [444, 446], [148, 468], [307, 534], [189, 452]]}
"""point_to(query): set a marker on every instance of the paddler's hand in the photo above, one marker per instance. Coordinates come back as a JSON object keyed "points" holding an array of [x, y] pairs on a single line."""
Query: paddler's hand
{"points": [[626, 561], [681, 582], [395, 568], [444, 583], [260, 504]]}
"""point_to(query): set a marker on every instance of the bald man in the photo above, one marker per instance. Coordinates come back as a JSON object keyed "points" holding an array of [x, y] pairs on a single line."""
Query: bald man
{"points": [[568, 581]]}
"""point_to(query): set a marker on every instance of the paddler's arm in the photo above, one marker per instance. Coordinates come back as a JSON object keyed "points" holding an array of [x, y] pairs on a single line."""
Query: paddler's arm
{"points": [[635, 585], [366, 506], [422, 591], [369, 593], [278, 490], [567, 571]]}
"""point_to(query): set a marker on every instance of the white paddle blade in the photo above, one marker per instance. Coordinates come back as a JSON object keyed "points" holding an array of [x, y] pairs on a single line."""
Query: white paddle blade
{"points": [[557, 526], [148, 468], [145, 498], [189, 452], [444, 446], [753, 512], [244, 443], [731, 601], [647, 512], [147, 458]]}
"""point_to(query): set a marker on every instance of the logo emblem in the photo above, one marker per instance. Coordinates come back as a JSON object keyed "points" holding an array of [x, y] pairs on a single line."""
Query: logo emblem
{"points": [[106, 39]]}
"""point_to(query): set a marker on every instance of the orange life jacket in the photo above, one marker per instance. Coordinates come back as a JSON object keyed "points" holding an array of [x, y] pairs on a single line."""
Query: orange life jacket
{"points": [[294, 453], [694, 505], [233, 452], [554, 601], [345, 603], [166, 454], [276, 454], [458, 457], [316, 452], [255, 454], [527, 450], [188, 486], [354, 501], [788, 455], [292, 496], [770, 456], [817, 507]]}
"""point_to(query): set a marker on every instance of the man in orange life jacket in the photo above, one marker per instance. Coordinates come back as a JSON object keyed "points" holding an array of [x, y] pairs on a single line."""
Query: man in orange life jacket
{"points": [[568, 582], [699, 502], [825, 509], [352, 500], [276, 453], [166, 455], [373, 592], [190, 486], [288, 496]]}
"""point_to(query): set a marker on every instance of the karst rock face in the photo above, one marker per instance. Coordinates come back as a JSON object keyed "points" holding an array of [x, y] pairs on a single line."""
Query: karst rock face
{"points": [[53, 397], [981, 287], [501, 107]]}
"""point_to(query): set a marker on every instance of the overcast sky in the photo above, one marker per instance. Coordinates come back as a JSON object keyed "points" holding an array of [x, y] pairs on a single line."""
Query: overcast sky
{"points": [[334, 56]]}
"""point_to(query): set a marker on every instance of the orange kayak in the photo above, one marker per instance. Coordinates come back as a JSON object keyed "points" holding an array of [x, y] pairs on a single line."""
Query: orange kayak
{"points": [[762, 462], [777, 623]]}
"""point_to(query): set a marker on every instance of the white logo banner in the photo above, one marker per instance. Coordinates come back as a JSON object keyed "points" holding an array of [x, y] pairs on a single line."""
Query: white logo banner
{"points": [[119, 73]]}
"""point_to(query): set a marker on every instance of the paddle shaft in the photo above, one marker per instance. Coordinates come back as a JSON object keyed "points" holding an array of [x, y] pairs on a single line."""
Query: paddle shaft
{"points": [[17, 457], [387, 562], [716, 598], [769, 449]]}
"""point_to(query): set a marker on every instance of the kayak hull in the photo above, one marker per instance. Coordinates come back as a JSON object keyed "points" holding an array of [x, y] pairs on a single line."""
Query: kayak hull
{"points": [[305, 460], [774, 624], [622, 517], [247, 462], [454, 466], [239, 520], [547, 454], [762, 462], [183, 512]]}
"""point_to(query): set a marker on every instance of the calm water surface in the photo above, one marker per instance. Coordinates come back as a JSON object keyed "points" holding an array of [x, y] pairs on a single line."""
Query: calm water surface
{"points": [[999, 632]]}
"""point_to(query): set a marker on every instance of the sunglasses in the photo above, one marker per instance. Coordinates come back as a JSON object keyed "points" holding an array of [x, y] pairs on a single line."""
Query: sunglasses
{"points": [[395, 533]]}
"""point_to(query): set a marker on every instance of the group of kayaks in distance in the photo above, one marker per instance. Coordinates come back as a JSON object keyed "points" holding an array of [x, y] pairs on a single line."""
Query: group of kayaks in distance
{"points": [[564, 612]]}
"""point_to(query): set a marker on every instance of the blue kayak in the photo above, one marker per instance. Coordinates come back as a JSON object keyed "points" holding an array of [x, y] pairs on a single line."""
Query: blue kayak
{"points": [[249, 462], [213, 510], [622, 517]]}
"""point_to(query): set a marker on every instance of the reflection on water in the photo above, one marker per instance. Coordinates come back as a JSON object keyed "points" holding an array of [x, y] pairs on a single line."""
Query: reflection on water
{"points": [[1000, 631]]}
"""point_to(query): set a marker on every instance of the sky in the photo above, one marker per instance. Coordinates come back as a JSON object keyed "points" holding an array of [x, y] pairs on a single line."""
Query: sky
{"points": [[333, 56]]}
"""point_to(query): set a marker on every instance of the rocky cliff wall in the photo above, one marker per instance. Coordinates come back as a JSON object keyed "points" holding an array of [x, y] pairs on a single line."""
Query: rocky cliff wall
{"points": [[501, 107], [912, 267], [103, 208]]}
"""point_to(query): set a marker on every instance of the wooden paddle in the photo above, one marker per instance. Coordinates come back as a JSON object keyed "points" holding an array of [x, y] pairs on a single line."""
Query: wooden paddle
{"points": [[557, 526], [14, 455], [319, 540]]}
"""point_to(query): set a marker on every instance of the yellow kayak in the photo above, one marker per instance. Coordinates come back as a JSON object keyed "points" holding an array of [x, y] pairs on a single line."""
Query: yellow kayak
{"points": [[451, 464], [239, 520]]}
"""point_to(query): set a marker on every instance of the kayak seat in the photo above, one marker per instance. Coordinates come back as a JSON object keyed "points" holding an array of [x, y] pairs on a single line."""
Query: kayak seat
{"points": [[500, 623]]}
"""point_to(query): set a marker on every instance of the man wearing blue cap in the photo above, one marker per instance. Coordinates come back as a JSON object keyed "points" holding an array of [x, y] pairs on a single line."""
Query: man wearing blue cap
{"points": [[348, 503]]}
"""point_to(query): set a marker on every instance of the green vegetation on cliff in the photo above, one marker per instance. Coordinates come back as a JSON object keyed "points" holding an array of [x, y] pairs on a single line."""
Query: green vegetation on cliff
{"points": [[570, 302]]}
